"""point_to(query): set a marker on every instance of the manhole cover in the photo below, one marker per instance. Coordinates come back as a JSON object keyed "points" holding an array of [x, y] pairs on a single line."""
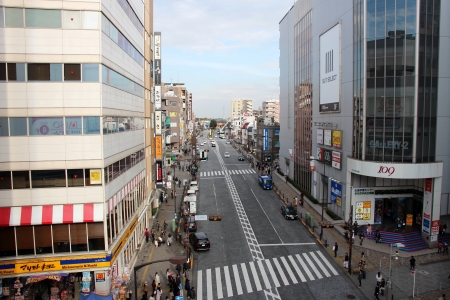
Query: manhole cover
{"points": [[351, 297]]}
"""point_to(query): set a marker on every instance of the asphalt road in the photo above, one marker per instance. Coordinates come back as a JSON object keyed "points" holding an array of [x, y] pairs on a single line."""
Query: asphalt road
{"points": [[255, 253]]}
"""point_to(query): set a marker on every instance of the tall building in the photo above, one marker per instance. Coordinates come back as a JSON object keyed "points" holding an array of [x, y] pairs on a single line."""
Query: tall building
{"points": [[271, 109], [75, 104], [368, 76], [241, 106]]}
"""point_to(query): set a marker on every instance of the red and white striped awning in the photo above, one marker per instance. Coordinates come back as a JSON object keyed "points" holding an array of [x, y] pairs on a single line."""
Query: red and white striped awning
{"points": [[51, 214]]}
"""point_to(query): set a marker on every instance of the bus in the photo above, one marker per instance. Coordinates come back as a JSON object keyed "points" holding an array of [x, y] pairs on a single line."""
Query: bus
{"points": [[265, 182]]}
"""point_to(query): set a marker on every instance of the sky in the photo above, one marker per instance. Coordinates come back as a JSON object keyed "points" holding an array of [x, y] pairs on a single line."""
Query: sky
{"points": [[221, 50]]}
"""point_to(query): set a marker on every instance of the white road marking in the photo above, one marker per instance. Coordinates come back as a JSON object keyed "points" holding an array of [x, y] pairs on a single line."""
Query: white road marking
{"points": [[305, 268], [264, 275], [199, 284], [219, 284], [272, 273], [288, 269], [280, 271], [255, 276], [297, 269], [327, 263], [319, 263], [228, 281], [209, 292], [312, 266], [237, 279], [286, 244], [246, 278]]}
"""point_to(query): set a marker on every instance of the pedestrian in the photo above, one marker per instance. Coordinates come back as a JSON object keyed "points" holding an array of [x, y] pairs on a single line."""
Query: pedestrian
{"points": [[168, 275], [346, 261], [382, 286], [178, 268], [361, 238], [360, 277], [369, 230], [179, 182], [145, 289], [157, 226], [335, 249], [377, 292], [146, 234], [178, 280], [185, 269], [165, 225], [169, 240], [445, 247], [412, 263], [363, 256], [379, 277], [153, 235], [193, 293], [158, 293], [378, 236], [187, 287], [153, 287], [157, 278]]}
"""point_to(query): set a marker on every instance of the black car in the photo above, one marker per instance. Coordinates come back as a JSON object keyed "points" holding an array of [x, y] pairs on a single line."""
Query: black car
{"points": [[191, 223], [289, 212], [241, 158], [199, 241]]}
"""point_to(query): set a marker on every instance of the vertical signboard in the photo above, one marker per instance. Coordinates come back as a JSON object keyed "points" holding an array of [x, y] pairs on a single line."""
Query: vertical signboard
{"points": [[158, 153], [336, 192], [327, 157], [319, 156], [337, 138], [159, 172], [158, 116], [157, 58], [157, 97], [319, 136], [330, 63], [336, 160], [327, 137], [266, 139], [427, 201]]}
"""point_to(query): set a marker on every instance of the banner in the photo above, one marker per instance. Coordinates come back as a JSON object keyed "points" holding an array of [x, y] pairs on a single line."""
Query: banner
{"points": [[336, 193], [158, 143], [427, 201], [337, 138], [266, 139]]}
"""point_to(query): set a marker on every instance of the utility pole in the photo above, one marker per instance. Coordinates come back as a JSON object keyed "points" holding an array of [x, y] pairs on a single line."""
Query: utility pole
{"points": [[350, 225]]}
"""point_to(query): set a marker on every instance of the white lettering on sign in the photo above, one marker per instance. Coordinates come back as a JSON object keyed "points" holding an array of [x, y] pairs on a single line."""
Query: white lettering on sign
{"points": [[386, 170], [389, 144]]}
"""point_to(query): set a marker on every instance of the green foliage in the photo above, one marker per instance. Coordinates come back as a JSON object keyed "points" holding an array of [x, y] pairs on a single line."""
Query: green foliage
{"points": [[154, 210], [333, 215], [213, 124], [305, 192]]}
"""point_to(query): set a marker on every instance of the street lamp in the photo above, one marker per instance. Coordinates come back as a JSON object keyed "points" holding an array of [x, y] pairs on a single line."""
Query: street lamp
{"points": [[389, 281], [173, 260], [312, 167]]}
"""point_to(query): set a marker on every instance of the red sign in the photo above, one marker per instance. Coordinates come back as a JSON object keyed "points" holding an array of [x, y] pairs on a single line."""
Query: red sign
{"points": [[159, 172], [319, 153], [435, 227], [386, 170]]}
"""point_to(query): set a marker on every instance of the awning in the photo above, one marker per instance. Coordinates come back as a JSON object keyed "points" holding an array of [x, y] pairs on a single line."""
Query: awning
{"points": [[51, 214]]}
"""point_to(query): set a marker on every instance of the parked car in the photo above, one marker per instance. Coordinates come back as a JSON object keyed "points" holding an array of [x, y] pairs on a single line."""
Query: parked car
{"points": [[191, 223], [226, 154], [199, 241], [241, 158], [289, 212], [228, 142], [213, 144]]}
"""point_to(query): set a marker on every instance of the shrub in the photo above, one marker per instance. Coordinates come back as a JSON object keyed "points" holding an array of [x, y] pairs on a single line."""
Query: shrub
{"points": [[333, 215], [154, 210], [305, 192]]}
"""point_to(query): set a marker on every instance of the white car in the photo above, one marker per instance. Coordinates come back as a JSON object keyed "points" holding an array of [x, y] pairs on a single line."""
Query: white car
{"points": [[228, 142], [226, 154]]}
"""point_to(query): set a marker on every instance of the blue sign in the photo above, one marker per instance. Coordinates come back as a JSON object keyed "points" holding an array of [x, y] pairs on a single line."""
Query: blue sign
{"points": [[276, 132], [426, 226], [336, 193], [266, 139]]}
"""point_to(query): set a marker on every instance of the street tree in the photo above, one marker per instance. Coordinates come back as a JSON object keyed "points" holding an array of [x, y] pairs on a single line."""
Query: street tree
{"points": [[213, 124]]}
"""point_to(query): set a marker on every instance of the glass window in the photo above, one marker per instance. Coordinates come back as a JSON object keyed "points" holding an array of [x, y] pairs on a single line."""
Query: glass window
{"points": [[5, 180], [8, 245], [71, 19], [96, 236], [18, 126], [3, 71], [21, 179], [4, 127], [56, 72], [72, 72], [78, 237], [75, 177], [93, 176], [46, 125], [73, 125], [2, 21], [38, 72], [43, 235], [13, 17], [91, 125], [16, 72], [25, 240], [89, 19], [61, 240], [43, 18], [48, 178], [90, 72]]}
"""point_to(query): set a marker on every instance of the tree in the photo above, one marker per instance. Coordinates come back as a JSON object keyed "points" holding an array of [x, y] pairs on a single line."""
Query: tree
{"points": [[213, 124]]}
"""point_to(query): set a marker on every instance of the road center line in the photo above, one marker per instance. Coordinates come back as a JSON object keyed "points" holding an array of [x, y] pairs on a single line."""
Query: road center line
{"points": [[286, 244]]}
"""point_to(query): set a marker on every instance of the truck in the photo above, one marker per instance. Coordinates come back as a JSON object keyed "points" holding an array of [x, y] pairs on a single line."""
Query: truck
{"points": [[265, 182]]}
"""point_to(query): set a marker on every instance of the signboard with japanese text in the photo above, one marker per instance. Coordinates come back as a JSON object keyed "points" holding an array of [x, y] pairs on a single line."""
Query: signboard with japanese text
{"points": [[266, 139], [336, 193], [427, 201], [159, 171], [159, 147], [158, 126], [157, 97], [336, 159], [363, 210], [319, 155], [337, 138], [327, 137], [327, 157], [319, 136]]}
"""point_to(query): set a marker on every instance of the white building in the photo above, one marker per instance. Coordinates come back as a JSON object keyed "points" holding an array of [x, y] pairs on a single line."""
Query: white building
{"points": [[241, 106], [271, 109]]}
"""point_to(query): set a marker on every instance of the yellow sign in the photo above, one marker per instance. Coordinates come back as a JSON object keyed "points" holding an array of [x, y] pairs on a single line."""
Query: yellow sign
{"points": [[158, 146], [337, 138], [363, 210], [123, 240], [173, 113], [96, 176]]}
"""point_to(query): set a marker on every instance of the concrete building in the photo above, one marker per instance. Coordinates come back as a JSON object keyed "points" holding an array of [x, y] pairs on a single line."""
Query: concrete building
{"points": [[364, 91], [271, 109], [241, 106], [75, 135]]}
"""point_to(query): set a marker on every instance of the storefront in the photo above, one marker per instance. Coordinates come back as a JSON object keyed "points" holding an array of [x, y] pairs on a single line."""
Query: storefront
{"points": [[396, 196]]}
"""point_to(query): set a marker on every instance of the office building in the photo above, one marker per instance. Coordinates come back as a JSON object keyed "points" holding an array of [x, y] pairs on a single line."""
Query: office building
{"points": [[240, 107], [271, 109]]}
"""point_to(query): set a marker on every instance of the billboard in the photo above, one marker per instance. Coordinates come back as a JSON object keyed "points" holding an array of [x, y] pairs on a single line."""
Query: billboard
{"points": [[337, 138], [330, 63], [319, 136], [336, 193], [336, 160], [266, 139], [157, 58], [427, 202], [159, 171], [157, 97], [327, 137], [158, 153], [158, 127]]}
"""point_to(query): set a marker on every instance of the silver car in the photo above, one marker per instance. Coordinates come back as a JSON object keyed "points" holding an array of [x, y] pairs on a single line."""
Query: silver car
{"points": [[226, 154]]}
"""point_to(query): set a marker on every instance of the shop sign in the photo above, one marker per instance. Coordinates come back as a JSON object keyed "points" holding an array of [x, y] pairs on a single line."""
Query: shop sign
{"points": [[159, 172], [427, 199], [363, 210], [435, 227], [5, 291], [95, 176], [319, 136], [336, 193], [327, 154], [34, 279], [327, 137], [157, 97], [336, 157], [364, 192], [386, 170], [158, 118], [319, 156], [100, 277], [115, 252], [337, 138], [158, 147], [389, 144]]}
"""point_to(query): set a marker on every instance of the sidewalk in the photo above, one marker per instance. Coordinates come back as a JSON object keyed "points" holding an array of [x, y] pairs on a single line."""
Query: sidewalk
{"points": [[149, 252], [432, 269]]}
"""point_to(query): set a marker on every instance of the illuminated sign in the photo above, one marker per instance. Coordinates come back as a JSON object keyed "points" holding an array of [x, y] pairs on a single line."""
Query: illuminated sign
{"points": [[337, 138], [158, 147]]}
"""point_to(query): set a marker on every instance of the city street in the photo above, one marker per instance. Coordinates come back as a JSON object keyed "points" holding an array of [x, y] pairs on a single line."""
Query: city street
{"points": [[255, 253]]}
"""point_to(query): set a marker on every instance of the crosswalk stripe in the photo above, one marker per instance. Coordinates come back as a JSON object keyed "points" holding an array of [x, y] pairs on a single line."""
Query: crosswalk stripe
{"points": [[246, 278], [219, 284], [272, 273], [280, 271], [263, 273], [221, 173], [297, 269], [319, 263], [228, 281], [255, 276], [208, 173], [310, 275], [209, 292], [215, 173], [241, 172], [234, 172], [328, 263], [199, 284], [288, 269], [253, 171], [237, 280], [312, 266]]}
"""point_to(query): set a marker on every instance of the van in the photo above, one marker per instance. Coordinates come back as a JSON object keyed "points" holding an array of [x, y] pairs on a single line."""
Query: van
{"points": [[191, 193], [192, 200], [194, 186]]}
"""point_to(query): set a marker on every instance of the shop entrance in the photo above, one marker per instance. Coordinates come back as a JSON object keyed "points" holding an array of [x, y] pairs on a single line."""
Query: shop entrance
{"points": [[402, 214]]}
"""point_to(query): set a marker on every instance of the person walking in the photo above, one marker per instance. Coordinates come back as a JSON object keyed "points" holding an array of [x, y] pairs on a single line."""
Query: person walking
{"points": [[165, 225], [178, 268], [377, 292], [157, 226], [169, 240], [157, 279], [360, 277], [369, 230], [146, 234], [382, 286], [412, 263], [346, 261], [335, 248], [378, 236], [379, 277], [187, 287], [158, 293], [145, 289]]}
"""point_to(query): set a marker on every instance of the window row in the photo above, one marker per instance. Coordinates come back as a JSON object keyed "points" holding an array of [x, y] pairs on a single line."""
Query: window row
{"points": [[120, 215], [114, 34], [49, 72], [120, 124], [22, 126], [48, 18], [114, 79], [116, 169], [132, 15], [51, 239], [49, 178]]}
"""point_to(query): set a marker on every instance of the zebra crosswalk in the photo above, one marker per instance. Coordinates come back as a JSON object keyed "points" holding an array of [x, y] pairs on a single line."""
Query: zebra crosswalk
{"points": [[230, 172], [262, 274]]}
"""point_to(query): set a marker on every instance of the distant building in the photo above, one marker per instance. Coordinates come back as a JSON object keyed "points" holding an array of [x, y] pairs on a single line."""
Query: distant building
{"points": [[271, 109], [240, 107]]}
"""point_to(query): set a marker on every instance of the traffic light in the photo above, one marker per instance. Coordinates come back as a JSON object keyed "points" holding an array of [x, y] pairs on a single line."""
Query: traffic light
{"points": [[396, 254]]}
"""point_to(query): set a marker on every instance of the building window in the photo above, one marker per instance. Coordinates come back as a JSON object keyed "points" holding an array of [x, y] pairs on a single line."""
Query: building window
{"points": [[46, 126], [75, 177], [90, 72], [45, 72], [21, 179], [42, 18], [48, 178], [72, 72], [25, 240], [2, 71], [16, 72], [78, 236], [4, 127], [18, 126], [14, 17], [5, 180], [43, 236], [93, 177], [61, 238], [73, 125], [91, 125]]}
